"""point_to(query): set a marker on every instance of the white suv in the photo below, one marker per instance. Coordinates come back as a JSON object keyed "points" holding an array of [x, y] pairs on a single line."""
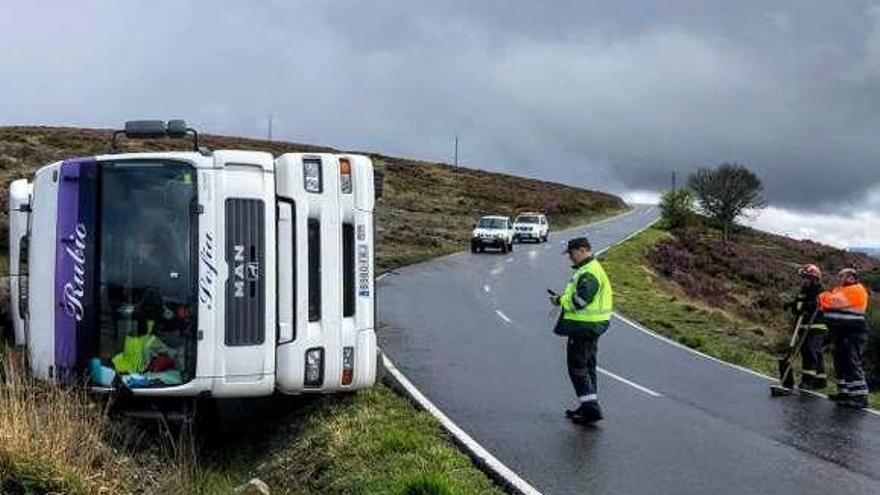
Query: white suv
{"points": [[532, 226], [494, 232]]}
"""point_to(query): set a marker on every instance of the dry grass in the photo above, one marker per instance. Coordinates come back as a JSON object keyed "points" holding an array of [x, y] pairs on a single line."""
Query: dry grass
{"points": [[53, 439]]}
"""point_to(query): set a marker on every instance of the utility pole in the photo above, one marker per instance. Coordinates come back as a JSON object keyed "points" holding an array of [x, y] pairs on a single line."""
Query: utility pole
{"points": [[270, 127], [456, 150], [673, 180]]}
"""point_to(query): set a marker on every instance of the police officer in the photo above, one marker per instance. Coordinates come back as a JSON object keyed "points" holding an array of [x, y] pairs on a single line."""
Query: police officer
{"points": [[805, 307], [586, 313], [844, 308]]}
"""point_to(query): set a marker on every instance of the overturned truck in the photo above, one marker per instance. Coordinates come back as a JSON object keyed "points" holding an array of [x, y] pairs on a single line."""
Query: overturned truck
{"points": [[197, 273]]}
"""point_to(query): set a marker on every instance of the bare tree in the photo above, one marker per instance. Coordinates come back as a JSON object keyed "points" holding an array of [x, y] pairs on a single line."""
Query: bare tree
{"points": [[726, 192]]}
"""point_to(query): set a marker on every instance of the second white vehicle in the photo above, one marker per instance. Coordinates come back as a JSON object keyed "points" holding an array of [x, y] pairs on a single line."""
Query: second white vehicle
{"points": [[532, 226], [492, 232]]}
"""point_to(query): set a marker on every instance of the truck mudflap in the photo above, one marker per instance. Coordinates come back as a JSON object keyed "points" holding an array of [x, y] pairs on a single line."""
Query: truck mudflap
{"points": [[327, 342]]}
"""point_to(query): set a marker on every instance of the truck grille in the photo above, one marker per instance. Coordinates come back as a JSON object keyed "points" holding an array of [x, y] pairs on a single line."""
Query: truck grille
{"points": [[246, 283]]}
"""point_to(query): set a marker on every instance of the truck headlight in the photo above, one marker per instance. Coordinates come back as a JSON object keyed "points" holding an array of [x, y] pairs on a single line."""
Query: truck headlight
{"points": [[314, 372], [347, 365], [312, 175]]}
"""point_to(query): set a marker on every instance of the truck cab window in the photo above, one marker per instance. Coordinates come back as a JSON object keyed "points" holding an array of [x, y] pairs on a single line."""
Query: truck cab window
{"points": [[146, 280]]}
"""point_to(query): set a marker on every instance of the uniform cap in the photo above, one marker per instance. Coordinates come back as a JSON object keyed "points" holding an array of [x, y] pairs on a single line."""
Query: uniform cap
{"points": [[577, 243]]}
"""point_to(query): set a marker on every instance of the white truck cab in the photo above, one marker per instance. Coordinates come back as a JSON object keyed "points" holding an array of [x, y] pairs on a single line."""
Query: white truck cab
{"points": [[224, 274], [531, 226], [492, 231]]}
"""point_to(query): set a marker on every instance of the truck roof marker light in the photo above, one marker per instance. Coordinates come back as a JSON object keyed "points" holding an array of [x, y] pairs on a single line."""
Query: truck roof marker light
{"points": [[345, 175]]}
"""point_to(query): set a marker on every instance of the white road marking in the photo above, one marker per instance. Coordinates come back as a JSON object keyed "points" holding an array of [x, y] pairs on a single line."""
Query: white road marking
{"points": [[509, 260], [692, 351], [380, 277], [476, 450], [671, 342], [497, 271], [637, 232], [630, 383], [502, 316], [486, 288]]}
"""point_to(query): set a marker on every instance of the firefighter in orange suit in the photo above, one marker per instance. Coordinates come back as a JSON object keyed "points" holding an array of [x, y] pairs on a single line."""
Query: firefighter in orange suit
{"points": [[844, 309]]}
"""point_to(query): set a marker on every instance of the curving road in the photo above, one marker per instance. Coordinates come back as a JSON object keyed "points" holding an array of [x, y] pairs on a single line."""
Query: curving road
{"points": [[472, 332]]}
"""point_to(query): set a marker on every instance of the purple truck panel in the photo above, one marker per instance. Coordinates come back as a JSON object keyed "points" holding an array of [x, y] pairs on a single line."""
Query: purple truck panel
{"points": [[71, 267]]}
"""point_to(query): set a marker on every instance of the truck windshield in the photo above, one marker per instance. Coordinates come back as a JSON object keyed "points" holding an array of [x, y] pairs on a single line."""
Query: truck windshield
{"points": [[147, 231], [492, 223], [526, 220]]}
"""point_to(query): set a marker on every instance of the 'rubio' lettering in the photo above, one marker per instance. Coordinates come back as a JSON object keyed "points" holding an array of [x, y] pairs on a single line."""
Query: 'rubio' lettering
{"points": [[75, 289]]}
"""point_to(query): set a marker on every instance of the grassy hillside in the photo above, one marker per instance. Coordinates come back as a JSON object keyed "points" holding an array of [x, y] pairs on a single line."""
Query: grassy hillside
{"points": [[374, 442], [726, 299], [427, 210]]}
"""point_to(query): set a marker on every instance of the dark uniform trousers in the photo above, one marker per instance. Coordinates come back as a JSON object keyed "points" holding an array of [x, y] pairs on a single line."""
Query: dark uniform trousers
{"points": [[850, 341], [581, 354], [812, 358]]}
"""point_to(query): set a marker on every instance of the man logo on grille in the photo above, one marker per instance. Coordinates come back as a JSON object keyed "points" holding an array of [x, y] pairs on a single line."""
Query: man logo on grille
{"points": [[243, 271], [253, 271]]}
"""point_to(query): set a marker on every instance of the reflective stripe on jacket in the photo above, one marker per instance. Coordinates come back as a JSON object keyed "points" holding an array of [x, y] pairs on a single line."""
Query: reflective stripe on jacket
{"points": [[599, 308]]}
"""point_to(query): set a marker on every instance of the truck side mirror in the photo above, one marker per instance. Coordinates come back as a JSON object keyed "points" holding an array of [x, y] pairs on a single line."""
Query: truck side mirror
{"points": [[145, 129], [154, 129], [176, 128]]}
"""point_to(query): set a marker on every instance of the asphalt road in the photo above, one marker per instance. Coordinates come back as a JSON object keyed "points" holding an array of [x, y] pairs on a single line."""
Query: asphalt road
{"points": [[473, 333]]}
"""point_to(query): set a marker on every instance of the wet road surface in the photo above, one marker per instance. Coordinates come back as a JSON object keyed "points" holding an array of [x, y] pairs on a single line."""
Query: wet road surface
{"points": [[473, 333]]}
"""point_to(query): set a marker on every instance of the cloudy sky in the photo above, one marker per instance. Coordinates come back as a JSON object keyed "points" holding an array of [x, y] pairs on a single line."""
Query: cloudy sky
{"points": [[603, 94]]}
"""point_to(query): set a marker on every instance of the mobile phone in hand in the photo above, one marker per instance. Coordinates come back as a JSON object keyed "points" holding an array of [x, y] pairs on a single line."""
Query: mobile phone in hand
{"points": [[551, 292]]}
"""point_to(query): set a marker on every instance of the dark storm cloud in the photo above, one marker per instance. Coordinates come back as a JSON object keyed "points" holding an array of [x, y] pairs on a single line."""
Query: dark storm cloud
{"points": [[604, 94]]}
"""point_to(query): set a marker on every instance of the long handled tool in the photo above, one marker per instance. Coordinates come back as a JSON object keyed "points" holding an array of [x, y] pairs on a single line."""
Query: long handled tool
{"points": [[786, 363]]}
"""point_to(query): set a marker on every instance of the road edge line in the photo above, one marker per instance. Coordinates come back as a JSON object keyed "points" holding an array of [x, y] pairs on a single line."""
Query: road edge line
{"points": [[648, 331], [669, 341], [656, 335], [502, 475]]}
